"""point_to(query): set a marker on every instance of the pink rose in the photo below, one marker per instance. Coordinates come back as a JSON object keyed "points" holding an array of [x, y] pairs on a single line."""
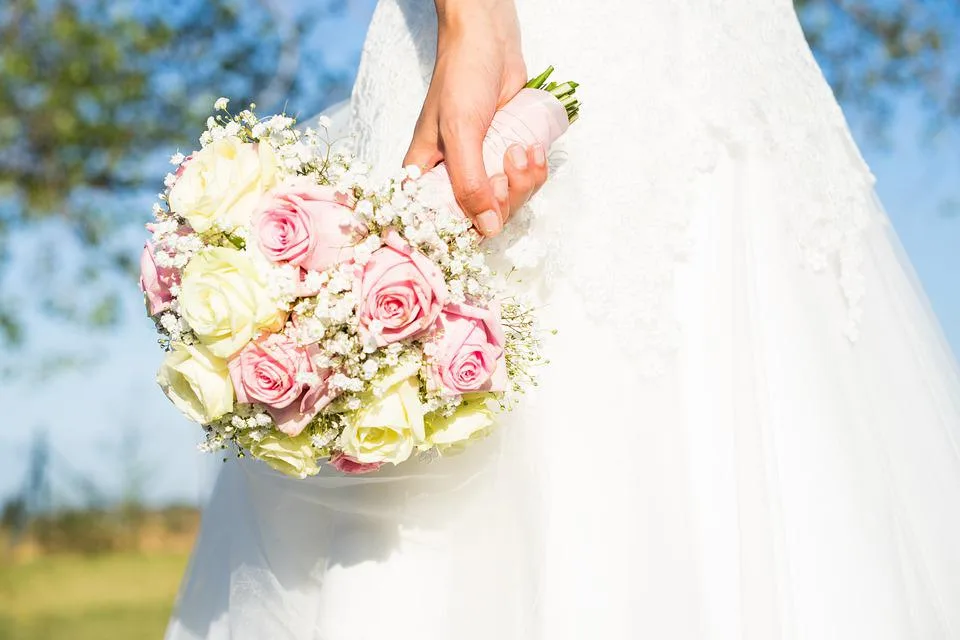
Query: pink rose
{"points": [[276, 372], [345, 464], [155, 282], [469, 353], [401, 292], [308, 226]]}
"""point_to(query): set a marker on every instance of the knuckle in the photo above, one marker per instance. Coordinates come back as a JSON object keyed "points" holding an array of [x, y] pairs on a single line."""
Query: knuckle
{"points": [[522, 183], [469, 188]]}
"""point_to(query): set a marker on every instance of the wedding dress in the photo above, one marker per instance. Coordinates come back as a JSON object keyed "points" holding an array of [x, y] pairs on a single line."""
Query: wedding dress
{"points": [[748, 428]]}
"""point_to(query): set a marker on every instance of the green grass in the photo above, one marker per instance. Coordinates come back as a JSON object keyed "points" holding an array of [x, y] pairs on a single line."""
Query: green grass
{"points": [[123, 596]]}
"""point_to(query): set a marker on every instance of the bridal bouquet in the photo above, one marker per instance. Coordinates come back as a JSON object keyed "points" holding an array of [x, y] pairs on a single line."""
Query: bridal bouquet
{"points": [[309, 315]]}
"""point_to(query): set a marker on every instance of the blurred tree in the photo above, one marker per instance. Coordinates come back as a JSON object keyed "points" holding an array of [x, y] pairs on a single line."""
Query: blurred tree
{"points": [[871, 50], [92, 92]]}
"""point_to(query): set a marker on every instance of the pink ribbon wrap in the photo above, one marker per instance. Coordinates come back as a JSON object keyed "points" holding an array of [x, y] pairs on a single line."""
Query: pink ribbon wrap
{"points": [[532, 116]]}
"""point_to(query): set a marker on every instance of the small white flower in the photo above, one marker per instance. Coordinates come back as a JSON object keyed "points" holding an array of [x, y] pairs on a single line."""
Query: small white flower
{"points": [[364, 208], [263, 419], [324, 122], [308, 378], [177, 159], [221, 104], [314, 280], [456, 290], [323, 439], [169, 322], [370, 368], [340, 281], [232, 129], [413, 171]]}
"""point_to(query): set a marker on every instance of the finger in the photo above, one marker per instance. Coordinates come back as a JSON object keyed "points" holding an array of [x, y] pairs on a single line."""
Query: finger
{"points": [[462, 143], [501, 191], [521, 173], [541, 169]]}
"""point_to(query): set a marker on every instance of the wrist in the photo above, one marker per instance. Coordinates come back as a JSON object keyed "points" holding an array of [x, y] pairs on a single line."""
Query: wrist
{"points": [[458, 19]]}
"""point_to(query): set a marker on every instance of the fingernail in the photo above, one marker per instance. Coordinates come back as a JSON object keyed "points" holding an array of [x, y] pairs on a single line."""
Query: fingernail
{"points": [[501, 188], [518, 156], [539, 156], [489, 223]]}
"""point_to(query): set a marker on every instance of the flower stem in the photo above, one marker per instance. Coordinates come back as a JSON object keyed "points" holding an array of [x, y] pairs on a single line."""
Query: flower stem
{"points": [[564, 92]]}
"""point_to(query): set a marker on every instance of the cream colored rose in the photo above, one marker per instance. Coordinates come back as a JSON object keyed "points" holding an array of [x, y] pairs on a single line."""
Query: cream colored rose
{"points": [[293, 456], [471, 421], [225, 301], [197, 382], [222, 184], [386, 429]]}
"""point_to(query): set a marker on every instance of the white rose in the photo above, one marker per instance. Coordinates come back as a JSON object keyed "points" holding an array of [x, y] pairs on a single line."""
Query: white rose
{"points": [[292, 456], [225, 301], [222, 184], [471, 421], [197, 382], [386, 429]]}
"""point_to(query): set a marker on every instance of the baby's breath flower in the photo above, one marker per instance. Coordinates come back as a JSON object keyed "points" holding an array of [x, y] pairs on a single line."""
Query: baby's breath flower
{"points": [[370, 368], [221, 104], [232, 129]]}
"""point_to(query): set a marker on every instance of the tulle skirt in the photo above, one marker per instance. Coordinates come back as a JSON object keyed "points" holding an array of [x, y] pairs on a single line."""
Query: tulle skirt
{"points": [[748, 427]]}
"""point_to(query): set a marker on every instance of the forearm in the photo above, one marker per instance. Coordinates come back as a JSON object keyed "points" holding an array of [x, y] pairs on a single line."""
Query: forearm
{"points": [[458, 19]]}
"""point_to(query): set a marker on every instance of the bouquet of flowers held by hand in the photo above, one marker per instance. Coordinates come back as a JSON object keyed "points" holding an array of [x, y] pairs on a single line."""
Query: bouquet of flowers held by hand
{"points": [[309, 316]]}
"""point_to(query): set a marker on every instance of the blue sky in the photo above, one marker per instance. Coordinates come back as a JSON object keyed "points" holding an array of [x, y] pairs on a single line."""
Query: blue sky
{"points": [[87, 412]]}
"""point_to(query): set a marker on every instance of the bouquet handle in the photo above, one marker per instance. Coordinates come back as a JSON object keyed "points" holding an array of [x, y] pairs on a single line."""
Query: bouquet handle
{"points": [[533, 116]]}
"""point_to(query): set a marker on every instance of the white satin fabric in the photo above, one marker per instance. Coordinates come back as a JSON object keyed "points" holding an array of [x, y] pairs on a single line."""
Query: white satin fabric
{"points": [[748, 429]]}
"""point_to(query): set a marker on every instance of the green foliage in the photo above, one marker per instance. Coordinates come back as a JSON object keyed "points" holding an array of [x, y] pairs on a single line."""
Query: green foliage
{"points": [[90, 92], [88, 88], [871, 49]]}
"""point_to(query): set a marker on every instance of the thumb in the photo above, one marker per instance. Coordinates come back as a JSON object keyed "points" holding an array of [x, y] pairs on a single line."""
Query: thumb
{"points": [[424, 150], [463, 154]]}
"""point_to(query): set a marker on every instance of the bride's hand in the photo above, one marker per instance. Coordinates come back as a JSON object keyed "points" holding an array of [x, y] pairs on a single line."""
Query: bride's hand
{"points": [[479, 68]]}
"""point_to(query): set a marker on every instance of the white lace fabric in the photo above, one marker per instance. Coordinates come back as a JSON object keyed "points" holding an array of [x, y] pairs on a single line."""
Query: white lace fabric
{"points": [[688, 80]]}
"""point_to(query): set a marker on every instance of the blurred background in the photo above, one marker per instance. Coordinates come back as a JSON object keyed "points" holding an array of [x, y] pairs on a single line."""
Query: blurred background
{"points": [[100, 482]]}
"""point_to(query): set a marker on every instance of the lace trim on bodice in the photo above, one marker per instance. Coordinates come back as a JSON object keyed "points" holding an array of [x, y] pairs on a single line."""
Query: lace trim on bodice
{"points": [[667, 88]]}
